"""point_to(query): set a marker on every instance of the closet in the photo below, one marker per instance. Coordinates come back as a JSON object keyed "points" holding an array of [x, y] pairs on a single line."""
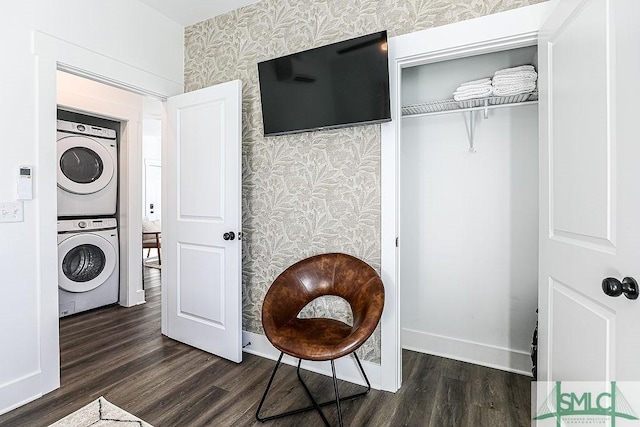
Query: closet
{"points": [[468, 215]]}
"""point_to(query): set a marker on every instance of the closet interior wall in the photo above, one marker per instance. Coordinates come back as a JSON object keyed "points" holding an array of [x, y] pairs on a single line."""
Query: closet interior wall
{"points": [[469, 221]]}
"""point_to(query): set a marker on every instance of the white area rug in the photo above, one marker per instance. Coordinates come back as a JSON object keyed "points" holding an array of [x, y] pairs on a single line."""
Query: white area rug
{"points": [[100, 413]]}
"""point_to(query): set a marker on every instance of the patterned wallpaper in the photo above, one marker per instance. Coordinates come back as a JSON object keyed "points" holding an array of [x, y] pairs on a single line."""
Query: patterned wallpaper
{"points": [[314, 192]]}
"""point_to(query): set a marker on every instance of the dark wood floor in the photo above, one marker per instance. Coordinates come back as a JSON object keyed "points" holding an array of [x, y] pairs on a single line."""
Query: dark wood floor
{"points": [[120, 354]]}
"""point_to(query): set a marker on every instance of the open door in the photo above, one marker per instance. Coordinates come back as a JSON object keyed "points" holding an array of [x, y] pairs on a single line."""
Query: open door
{"points": [[201, 271], [589, 65]]}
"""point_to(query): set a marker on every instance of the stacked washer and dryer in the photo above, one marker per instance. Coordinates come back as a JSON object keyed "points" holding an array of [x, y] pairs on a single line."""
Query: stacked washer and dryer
{"points": [[88, 250]]}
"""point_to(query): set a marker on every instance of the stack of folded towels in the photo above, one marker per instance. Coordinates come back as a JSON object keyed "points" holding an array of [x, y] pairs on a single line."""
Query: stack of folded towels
{"points": [[514, 81], [474, 89]]}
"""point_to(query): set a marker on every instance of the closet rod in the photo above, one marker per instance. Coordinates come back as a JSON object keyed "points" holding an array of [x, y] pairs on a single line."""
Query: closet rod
{"points": [[462, 110]]}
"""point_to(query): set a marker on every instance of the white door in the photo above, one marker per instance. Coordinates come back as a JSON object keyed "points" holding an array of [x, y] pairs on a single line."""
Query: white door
{"points": [[590, 190], [152, 189], [201, 270]]}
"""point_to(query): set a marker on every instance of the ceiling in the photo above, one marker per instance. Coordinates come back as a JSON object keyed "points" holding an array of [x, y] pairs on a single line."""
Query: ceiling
{"points": [[187, 12]]}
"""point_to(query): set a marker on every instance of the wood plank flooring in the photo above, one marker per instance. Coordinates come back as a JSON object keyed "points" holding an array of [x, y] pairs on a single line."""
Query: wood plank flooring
{"points": [[120, 354]]}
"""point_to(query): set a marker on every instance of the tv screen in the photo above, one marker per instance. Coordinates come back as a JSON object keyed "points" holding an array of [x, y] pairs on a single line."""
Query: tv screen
{"points": [[341, 84]]}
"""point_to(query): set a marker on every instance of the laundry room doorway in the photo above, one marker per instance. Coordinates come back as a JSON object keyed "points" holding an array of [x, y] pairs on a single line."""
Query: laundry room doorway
{"points": [[80, 99], [191, 146]]}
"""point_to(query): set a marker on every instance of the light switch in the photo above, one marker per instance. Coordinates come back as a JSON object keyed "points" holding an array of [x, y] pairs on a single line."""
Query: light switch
{"points": [[11, 211]]}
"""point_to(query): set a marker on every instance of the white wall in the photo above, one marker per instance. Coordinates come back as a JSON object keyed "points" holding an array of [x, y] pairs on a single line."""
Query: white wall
{"points": [[469, 222], [152, 129], [151, 138], [120, 37]]}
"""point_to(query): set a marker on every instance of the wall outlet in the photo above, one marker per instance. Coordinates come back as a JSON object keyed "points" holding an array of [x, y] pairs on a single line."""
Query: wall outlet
{"points": [[11, 211]]}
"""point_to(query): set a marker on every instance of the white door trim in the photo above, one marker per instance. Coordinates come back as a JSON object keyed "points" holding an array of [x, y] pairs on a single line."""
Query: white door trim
{"points": [[52, 53], [74, 59], [506, 30]]}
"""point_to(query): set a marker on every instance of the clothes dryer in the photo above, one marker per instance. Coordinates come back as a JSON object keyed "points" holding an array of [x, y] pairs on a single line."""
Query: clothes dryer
{"points": [[87, 170], [88, 264]]}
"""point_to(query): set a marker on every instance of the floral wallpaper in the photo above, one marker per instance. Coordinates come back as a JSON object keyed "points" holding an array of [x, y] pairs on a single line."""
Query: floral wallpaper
{"points": [[314, 192]]}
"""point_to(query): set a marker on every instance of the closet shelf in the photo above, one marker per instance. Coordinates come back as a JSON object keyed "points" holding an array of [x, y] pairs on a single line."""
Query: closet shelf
{"points": [[451, 106]]}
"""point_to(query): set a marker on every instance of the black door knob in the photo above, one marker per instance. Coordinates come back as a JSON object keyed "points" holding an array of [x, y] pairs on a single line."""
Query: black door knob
{"points": [[614, 288], [229, 236]]}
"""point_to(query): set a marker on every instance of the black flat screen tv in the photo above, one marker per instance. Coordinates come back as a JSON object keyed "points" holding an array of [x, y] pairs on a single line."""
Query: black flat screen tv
{"points": [[341, 84]]}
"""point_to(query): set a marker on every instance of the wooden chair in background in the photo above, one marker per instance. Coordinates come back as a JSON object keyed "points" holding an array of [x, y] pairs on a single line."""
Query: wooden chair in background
{"points": [[152, 239]]}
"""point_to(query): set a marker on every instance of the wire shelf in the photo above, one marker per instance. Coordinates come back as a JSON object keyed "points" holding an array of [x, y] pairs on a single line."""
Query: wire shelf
{"points": [[450, 105]]}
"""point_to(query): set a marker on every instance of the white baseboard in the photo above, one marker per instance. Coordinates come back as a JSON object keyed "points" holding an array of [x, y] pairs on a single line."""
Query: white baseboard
{"points": [[468, 351], [20, 390], [139, 299], [346, 367]]}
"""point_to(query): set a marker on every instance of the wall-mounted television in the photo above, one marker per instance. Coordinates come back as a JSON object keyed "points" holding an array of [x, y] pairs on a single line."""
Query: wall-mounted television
{"points": [[337, 85]]}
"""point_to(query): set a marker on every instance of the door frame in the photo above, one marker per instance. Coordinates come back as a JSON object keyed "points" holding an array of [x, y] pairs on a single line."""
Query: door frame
{"points": [[502, 31], [53, 54]]}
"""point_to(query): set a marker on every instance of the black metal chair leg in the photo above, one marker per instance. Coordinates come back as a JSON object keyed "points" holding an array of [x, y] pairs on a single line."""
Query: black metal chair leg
{"points": [[363, 374], [313, 400], [264, 396], [316, 406], [335, 388]]}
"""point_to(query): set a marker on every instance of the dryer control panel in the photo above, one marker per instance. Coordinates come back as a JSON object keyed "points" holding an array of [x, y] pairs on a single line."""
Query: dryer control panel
{"points": [[83, 129], [75, 225]]}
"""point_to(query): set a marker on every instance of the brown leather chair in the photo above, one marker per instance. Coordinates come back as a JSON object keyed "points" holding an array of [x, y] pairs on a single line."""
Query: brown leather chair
{"points": [[321, 339]]}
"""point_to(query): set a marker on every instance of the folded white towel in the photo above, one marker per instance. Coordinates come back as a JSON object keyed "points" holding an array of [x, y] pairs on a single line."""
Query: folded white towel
{"points": [[521, 76], [514, 70], [479, 88], [470, 92], [514, 89]]}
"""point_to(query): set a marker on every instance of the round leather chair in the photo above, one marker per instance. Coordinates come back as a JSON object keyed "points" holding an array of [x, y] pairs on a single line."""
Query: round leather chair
{"points": [[321, 339]]}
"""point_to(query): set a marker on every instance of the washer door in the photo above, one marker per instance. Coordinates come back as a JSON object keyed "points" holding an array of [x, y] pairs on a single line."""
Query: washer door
{"points": [[84, 165], [85, 261]]}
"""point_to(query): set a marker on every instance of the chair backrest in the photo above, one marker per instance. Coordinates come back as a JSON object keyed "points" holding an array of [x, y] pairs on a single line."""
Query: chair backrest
{"points": [[151, 226], [327, 274]]}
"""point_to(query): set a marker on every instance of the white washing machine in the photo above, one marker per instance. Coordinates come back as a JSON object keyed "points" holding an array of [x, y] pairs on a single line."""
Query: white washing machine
{"points": [[87, 170], [88, 264]]}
